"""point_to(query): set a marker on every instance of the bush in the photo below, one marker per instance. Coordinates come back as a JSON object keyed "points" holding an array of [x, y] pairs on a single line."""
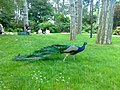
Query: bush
{"points": [[18, 30], [9, 30], [33, 26], [117, 31], [62, 23], [46, 25], [86, 28]]}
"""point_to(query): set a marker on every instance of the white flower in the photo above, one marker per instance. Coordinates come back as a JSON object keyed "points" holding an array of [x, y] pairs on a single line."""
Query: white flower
{"points": [[40, 76], [69, 78], [60, 73], [67, 82], [63, 80], [44, 77], [36, 77]]}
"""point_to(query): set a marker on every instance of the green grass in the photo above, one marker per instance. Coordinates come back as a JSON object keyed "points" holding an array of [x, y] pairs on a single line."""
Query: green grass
{"points": [[96, 68]]}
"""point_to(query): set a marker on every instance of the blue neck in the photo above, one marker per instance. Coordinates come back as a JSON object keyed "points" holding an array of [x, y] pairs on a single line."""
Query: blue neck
{"points": [[81, 48]]}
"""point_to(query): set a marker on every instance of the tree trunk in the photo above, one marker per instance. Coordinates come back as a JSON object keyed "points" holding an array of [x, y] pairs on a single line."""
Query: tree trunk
{"points": [[58, 6], [72, 21], [80, 9], [104, 35], [63, 5], [76, 17], [25, 15], [99, 10], [91, 18]]}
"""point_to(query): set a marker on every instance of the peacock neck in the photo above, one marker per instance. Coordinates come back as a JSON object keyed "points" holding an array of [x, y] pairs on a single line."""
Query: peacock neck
{"points": [[81, 48]]}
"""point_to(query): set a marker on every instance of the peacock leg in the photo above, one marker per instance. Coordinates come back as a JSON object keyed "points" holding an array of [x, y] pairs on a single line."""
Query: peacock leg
{"points": [[65, 57], [74, 57]]}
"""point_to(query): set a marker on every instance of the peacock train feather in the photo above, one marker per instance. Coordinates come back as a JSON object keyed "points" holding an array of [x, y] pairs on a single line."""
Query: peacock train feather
{"points": [[50, 50]]}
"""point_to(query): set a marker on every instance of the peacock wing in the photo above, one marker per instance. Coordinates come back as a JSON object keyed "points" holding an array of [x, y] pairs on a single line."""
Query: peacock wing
{"points": [[71, 48]]}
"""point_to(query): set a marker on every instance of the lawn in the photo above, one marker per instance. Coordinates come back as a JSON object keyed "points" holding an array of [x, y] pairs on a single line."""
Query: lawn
{"points": [[96, 68]]}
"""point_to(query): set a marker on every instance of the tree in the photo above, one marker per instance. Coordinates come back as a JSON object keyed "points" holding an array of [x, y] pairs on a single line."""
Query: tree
{"points": [[76, 18], [80, 10], [39, 10], [104, 35], [117, 15], [25, 19], [7, 5], [91, 17], [72, 21], [7, 8], [63, 5]]}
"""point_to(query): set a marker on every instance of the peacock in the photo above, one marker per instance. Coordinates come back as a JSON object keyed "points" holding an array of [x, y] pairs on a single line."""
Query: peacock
{"points": [[53, 49]]}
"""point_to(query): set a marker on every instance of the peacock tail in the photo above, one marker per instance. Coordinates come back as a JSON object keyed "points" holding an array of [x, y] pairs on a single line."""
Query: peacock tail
{"points": [[50, 50], [43, 52]]}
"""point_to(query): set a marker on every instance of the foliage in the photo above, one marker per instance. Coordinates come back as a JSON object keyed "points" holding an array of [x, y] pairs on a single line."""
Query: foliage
{"points": [[46, 25], [7, 6], [9, 30], [117, 31], [97, 68], [87, 23], [18, 30], [62, 23], [116, 16], [33, 25], [39, 10], [6, 18]]}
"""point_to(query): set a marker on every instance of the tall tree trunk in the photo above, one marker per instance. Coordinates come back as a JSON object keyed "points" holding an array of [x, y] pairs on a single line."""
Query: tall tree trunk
{"points": [[72, 21], [99, 10], [91, 18], [58, 6], [80, 10], [76, 17], [25, 15], [104, 35], [63, 5]]}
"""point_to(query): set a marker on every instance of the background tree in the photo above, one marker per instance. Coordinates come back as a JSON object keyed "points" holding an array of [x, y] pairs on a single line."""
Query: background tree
{"points": [[39, 11], [72, 21], [104, 35], [7, 13], [91, 18], [7, 5], [80, 11], [117, 15], [25, 15]]}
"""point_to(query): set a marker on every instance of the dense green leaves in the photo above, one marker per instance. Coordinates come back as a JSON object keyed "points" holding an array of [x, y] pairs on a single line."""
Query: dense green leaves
{"points": [[117, 15], [39, 10], [7, 5]]}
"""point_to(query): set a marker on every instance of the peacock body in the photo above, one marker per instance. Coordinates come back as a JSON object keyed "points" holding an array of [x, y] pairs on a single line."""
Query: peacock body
{"points": [[50, 50]]}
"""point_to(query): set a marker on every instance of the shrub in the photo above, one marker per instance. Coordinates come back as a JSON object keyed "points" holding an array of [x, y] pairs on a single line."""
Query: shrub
{"points": [[117, 31], [46, 25], [9, 30], [18, 30], [62, 23]]}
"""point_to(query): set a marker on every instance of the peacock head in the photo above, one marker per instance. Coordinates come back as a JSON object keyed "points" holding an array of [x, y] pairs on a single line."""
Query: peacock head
{"points": [[85, 43]]}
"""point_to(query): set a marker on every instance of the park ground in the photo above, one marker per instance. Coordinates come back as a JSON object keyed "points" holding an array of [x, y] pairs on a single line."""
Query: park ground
{"points": [[96, 68]]}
